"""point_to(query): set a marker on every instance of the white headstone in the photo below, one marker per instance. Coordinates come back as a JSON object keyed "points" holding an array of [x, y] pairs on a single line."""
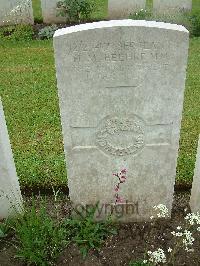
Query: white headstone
{"points": [[123, 8], [195, 193], [121, 88], [16, 12], [50, 12], [10, 195], [166, 6]]}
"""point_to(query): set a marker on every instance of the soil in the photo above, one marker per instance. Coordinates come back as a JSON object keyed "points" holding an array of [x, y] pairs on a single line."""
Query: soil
{"points": [[128, 245]]}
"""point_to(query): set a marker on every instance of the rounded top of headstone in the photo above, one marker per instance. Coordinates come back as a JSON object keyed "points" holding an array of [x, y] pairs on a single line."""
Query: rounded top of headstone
{"points": [[119, 23]]}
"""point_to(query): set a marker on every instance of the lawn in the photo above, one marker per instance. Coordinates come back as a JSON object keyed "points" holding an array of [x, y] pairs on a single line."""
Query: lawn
{"points": [[29, 94]]}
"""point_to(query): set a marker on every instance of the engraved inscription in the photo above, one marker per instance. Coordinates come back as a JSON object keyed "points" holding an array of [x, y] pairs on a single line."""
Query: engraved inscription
{"points": [[121, 136]]}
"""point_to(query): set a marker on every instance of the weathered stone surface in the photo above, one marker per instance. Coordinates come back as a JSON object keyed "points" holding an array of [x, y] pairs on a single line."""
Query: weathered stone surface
{"points": [[195, 193], [16, 12], [123, 8], [165, 6], [121, 88], [50, 12], [10, 195]]}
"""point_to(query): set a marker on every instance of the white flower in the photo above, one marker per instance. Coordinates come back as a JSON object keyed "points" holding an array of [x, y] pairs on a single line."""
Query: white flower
{"points": [[157, 256], [141, 9], [145, 261], [169, 250], [188, 240], [151, 217], [173, 233], [189, 249], [163, 211], [179, 234], [193, 218], [136, 14], [198, 228], [179, 227]]}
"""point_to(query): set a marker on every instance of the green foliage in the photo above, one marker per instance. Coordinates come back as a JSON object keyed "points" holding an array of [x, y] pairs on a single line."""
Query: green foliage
{"points": [[4, 229], [16, 33], [40, 238], [139, 263], [75, 10], [47, 32], [194, 18], [87, 233]]}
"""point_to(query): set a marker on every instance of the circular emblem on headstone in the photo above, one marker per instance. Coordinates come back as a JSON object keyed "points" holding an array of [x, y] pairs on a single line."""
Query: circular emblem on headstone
{"points": [[121, 136]]}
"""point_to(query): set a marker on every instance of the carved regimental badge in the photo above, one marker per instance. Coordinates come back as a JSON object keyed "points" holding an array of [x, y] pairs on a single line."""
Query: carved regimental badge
{"points": [[121, 136]]}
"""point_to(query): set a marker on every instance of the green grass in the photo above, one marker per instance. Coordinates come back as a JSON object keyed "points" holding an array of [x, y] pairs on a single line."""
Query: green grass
{"points": [[28, 89], [37, 12], [101, 10], [195, 5], [191, 116], [29, 94]]}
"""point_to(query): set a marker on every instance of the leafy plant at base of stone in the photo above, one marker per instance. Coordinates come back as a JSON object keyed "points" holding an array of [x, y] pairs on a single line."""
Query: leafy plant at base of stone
{"points": [[75, 10], [4, 229], [47, 32], [40, 238], [88, 234], [16, 33]]}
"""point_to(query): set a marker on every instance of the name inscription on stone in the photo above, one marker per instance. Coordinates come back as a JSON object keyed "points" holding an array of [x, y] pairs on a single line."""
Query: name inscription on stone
{"points": [[111, 62]]}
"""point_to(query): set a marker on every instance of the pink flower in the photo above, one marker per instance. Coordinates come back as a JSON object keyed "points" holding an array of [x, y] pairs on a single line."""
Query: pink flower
{"points": [[123, 171], [123, 179], [116, 188], [119, 199]]}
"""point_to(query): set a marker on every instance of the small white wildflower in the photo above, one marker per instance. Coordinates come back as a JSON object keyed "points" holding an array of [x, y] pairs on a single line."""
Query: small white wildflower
{"points": [[163, 211], [157, 256], [136, 14], [173, 233], [189, 249], [193, 218], [145, 261], [169, 250], [141, 9], [151, 217], [188, 240], [179, 227], [198, 229], [179, 234]]}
